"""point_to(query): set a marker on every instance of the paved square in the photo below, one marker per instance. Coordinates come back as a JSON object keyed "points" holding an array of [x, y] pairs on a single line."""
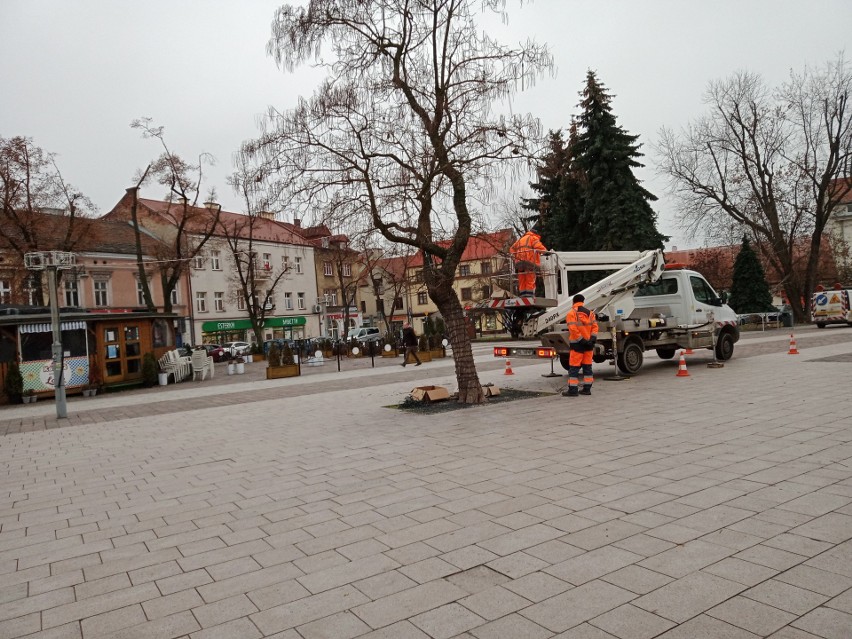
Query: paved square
{"points": [[716, 505]]}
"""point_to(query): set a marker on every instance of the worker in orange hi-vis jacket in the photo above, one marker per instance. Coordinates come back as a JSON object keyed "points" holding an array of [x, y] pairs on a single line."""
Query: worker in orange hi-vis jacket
{"points": [[527, 255], [582, 335]]}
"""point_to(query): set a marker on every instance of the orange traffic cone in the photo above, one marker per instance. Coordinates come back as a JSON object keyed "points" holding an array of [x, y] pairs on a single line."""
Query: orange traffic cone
{"points": [[508, 370], [681, 367], [689, 351], [793, 350]]}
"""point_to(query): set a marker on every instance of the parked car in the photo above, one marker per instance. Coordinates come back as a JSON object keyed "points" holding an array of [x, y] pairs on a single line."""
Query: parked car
{"points": [[237, 348], [215, 351], [364, 334]]}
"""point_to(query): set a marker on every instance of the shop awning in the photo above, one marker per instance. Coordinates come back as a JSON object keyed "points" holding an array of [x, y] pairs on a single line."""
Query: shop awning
{"points": [[47, 328]]}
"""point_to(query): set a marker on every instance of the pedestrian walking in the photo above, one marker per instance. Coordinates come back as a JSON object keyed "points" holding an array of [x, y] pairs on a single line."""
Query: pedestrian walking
{"points": [[582, 335], [409, 344]]}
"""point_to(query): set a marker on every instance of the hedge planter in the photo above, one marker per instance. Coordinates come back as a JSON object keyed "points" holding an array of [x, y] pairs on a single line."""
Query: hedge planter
{"points": [[437, 353], [425, 356], [279, 372], [390, 353]]}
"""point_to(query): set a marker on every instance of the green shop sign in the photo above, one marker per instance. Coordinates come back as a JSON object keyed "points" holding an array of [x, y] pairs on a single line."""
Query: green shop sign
{"points": [[240, 324]]}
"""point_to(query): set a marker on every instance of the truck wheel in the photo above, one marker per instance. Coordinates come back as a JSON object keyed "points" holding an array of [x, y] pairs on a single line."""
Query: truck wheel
{"points": [[666, 353], [630, 360], [563, 359], [725, 346], [820, 325]]}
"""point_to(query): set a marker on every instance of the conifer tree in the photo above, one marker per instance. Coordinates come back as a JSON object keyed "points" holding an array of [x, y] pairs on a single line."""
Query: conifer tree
{"points": [[749, 291], [616, 207]]}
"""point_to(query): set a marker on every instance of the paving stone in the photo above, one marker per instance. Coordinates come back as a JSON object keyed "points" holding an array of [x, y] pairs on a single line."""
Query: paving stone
{"points": [[341, 625], [447, 621], [637, 579], [307, 609], [593, 564], [510, 627], [741, 571], [704, 627], [171, 604], [577, 605], [408, 603], [751, 615], [108, 622], [682, 560], [825, 622], [630, 622], [242, 628], [689, 596], [494, 602]]}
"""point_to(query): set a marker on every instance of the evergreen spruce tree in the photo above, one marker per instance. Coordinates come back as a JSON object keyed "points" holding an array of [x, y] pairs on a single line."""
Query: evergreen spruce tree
{"points": [[616, 207], [749, 291]]}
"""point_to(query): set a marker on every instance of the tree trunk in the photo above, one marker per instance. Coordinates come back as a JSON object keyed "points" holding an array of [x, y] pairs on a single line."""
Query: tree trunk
{"points": [[470, 390]]}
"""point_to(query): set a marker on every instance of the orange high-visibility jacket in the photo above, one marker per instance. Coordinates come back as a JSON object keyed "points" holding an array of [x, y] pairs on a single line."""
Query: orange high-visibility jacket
{"points": [[581, 323], [527, 248]]}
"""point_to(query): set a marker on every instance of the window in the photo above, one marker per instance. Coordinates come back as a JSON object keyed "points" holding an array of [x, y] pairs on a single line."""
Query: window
{"points": [[175, 296], [140, 294], [418, 276], [267, 261], [661, 287], [269, 304], [330, 295], [198, 262], [298, 268], [422, 298], [347, 270], [701, 290], [288, 301], [30, 289], [326, 268], [485, 268], [285, 263], [486, 291], [467, 294], [397, 303], [72, 293], [363, 306], [215, 262], [241, 302], [6, 292], [201, 301], [464, 270], [300, 301], [219, 301], [101, 293]]}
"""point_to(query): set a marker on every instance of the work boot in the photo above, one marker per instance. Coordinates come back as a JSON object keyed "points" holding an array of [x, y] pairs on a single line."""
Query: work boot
{"points": [[571, 392], [587, 390]]}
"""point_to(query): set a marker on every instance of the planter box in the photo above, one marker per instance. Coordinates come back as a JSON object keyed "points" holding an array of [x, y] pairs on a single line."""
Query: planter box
{"points": [[279, 372], [425, 356], [437, 353], [258, 357], [391, 353]]}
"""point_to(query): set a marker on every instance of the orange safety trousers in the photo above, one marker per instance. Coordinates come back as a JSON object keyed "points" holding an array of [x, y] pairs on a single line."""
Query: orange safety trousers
{"points": [[576, 360], [526, 281]]}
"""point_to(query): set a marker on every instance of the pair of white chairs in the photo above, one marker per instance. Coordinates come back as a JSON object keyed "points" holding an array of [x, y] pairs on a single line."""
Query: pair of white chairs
{"points": [[202, 364], [176, 365]]}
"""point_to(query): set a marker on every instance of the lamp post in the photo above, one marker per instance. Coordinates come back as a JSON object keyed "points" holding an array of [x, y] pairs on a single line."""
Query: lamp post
{"points": [[52, 261]]}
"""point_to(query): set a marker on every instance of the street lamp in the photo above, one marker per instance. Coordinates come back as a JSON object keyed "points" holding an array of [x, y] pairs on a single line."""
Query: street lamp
{"points": [[52, 261]]}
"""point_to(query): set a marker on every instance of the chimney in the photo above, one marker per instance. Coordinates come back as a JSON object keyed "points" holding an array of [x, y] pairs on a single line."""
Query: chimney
{"points": [[211, 205], [266, 215], [674, 248], [297, 222]]}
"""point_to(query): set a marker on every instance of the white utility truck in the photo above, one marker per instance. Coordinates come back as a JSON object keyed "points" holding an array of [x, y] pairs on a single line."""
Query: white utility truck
{"points": [[831, 307], [645, 304]]}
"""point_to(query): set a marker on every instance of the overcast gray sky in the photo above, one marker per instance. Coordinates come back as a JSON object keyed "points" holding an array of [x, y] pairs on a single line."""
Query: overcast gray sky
{"points": [[74, 73]]}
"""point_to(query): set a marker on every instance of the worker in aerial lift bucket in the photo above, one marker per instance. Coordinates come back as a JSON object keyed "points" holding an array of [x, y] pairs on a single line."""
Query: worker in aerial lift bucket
{"points": [[527, 255], [582, 335]]}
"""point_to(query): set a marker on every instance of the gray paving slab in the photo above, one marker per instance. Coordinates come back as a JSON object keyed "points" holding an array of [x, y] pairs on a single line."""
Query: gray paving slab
{"points": [[713, 505]]}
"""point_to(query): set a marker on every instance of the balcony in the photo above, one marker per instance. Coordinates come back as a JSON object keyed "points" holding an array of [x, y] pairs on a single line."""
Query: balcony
{"points": [[263, 272]]}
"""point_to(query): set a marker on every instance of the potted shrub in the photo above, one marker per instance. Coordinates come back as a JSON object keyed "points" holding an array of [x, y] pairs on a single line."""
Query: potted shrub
{"points": [[257, 352], [13, 384], [280, 362], [95, 380], [29, 396], [423, 349], [327, 347], [393, 351], [150, 369], [240, 365]]}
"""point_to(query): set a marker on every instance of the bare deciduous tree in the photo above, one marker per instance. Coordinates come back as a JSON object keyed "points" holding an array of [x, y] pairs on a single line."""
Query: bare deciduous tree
{"points": [[39, 210], [401, 135], [183, 227], [773, 162]]}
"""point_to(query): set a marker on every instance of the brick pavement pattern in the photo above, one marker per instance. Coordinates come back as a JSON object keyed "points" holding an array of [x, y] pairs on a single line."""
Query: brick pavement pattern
{"points": [[714, 506]]}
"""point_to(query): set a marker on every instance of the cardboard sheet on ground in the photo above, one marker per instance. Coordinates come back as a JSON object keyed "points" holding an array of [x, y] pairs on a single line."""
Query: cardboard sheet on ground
{"points": [[430, 393]]}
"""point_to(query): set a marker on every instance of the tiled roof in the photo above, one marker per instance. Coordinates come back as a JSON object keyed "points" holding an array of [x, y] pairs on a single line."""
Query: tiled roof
{"points": [[262, 229], [481, 246]]}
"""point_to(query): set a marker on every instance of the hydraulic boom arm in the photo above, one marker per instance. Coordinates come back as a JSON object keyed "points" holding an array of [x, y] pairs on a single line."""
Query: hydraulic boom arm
{"points": [[614, 292]]}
